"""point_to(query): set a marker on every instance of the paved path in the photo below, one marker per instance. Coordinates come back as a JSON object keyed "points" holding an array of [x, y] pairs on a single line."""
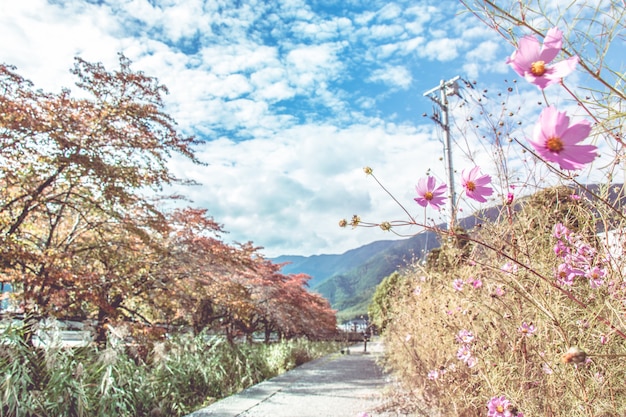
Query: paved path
{"points": [[333, 386]]}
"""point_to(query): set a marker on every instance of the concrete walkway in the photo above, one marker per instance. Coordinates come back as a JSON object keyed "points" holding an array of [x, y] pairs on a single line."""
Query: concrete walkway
{"points": [[337, 385]]}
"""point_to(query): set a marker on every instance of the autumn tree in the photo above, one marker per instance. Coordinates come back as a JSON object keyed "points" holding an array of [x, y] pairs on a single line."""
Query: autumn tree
{"points": [[201, 270], [77, 174], [82, 231]]}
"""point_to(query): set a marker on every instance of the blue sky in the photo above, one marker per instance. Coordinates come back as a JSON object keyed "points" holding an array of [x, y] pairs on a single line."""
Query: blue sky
{"points": [[292, 98]]}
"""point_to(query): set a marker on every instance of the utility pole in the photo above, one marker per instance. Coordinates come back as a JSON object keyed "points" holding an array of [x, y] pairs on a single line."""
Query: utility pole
{"points": [[445, 89]]}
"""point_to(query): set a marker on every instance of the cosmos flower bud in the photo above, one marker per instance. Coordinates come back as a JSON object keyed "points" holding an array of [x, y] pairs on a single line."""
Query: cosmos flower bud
{"points": [[368, 170], [386, 226], [343, 223], [574, 355], [355, 221]]}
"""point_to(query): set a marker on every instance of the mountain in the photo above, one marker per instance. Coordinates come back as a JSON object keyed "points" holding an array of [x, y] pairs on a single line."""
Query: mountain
{"points": [[350, 291], [320, 267], [349, 280]]}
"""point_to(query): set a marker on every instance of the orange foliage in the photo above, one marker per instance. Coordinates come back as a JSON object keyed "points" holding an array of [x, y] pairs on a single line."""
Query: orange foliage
{"points": [[81, 235]]}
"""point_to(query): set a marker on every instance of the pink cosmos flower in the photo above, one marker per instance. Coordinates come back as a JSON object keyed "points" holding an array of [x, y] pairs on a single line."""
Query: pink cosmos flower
{"points": [[499, 291], [566, 274], [531, 59], [433, 375], [596, 275], [527, 329], [471, 362], [561, 231], [509, 267], [547, 369], [458, 284], [428, 193], [556, 141], [499, 407], [464, 353], [584, 251], [561, 249], [475, 185], [465, 336]]}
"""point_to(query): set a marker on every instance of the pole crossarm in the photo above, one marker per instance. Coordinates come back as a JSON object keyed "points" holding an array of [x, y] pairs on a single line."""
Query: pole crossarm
{"points": [[448, 83]]}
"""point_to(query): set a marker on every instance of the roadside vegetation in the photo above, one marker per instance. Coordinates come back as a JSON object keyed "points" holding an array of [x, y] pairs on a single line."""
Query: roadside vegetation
{"points": [[523, 314], [175, 377]]}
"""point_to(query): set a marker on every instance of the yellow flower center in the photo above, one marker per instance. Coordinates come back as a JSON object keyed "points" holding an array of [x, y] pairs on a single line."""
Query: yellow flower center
{"points": [[428, 195], [500, 408], [470, 186], [538, 68], [554, 144]]}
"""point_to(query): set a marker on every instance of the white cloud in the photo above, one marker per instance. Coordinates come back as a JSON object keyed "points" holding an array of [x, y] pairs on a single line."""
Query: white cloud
{"points": [[386, 31], [38, 35], [443, 49], [394, 76], [390, 11], [484, 51], [423, 15], [238, 57], [324, 30]]}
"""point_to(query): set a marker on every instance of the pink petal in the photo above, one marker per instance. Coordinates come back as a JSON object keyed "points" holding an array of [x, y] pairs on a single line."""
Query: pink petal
{"points": [[560, 123], [475, 196], [547, 124], [436, 203], [483, 180], [441, 189], [553, 38], [430, 183], [551, 45], [576, 132], [541, 82], [421, 186], [421, 201], [539, 146], [575, 157], [528, 51], [471, 175], [562, 69]]}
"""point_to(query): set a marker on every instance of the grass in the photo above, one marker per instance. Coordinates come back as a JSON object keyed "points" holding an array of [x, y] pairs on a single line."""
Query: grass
{"points": [[177, 377]]}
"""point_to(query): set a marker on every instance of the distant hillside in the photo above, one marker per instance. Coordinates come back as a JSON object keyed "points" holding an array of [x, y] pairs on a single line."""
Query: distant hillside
{"points": [[350, 291], [320, 267], [349, 280]]}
